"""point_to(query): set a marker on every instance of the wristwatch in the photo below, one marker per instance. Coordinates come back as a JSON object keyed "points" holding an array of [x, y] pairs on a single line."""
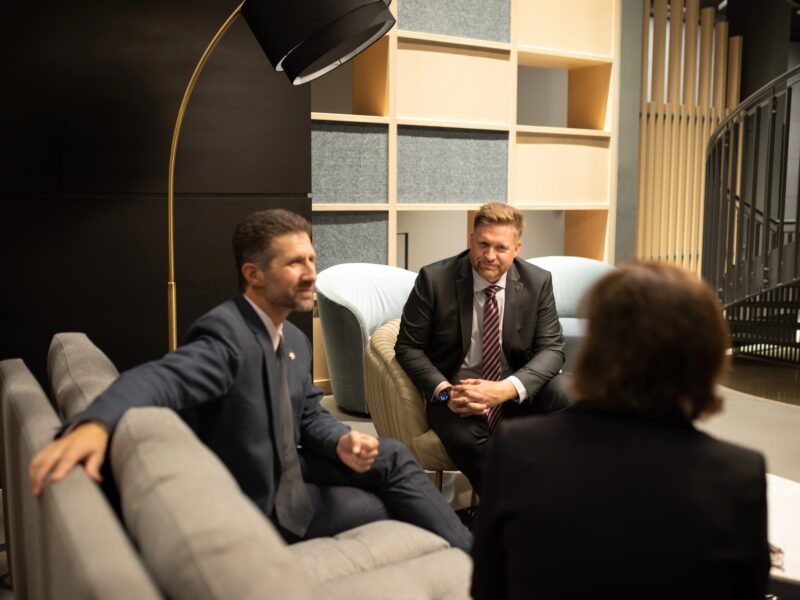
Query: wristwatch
{"points": [[442, 396]]}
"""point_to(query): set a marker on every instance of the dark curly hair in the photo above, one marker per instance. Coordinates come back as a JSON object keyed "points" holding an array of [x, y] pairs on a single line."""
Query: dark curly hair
{"points": [[655, 344], [252, 239]]}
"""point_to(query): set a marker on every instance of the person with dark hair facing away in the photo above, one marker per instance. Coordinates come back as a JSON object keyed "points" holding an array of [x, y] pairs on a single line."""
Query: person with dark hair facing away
{"points": [[242, 381], [481, 339], [619, 496]]}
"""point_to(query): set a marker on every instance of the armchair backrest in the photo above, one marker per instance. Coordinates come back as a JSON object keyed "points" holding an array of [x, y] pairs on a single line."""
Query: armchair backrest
{"points": [[354, 299], [572, 277]]}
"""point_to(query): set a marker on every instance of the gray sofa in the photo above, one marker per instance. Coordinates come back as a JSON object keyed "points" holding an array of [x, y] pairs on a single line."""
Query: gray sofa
{"points": [[187, 531]]}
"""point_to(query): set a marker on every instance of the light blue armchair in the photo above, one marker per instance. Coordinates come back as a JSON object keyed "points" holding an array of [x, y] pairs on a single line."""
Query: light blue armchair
{"points": [[572, 277], [354, 299]]}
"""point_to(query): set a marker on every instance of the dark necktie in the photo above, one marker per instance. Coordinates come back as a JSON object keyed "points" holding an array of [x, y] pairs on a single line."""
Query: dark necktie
{"points": [[292, 504], [491, 348]]}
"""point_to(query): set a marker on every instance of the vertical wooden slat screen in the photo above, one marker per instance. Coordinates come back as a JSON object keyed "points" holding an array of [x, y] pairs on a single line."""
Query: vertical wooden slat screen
{"points": [[689, 93]]}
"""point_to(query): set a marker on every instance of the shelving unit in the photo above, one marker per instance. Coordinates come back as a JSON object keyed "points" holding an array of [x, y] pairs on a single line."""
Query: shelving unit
{"points": [[451, 93]]}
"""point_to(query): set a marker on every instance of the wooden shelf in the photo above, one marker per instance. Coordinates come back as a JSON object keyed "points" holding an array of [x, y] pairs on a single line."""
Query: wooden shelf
{"points": [[449, 123], [547, 58], [561, 169], [346, 118], [365, 207], [445, 83], [562, 131], [574, 26], [443, 206], [559, 205], [451, 41]]}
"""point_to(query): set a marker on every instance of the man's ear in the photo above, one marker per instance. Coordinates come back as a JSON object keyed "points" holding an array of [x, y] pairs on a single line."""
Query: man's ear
{"points": [[252, 275]]}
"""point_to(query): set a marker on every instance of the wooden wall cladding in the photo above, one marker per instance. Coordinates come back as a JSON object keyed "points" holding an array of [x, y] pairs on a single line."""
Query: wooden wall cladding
{"points": [[686, 100]]}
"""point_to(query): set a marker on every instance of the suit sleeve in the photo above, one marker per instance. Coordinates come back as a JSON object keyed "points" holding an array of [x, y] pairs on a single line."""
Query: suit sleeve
{"points": [[201, 370], [488, 553], [416, 329], [547, 346], [755, 576], [319, 430]]}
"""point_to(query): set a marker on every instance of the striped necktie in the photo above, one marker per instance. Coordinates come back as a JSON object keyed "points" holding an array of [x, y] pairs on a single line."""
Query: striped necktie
{"points": [[491, 348]]}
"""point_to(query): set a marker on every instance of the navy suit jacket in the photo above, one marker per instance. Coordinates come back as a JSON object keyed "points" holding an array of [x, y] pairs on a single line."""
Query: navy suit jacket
{"points": [[223, 382], [436, 327]]}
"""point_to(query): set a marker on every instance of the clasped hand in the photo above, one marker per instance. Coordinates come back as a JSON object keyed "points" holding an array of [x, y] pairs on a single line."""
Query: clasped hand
{"points": [[357, 450], [477, 396]]}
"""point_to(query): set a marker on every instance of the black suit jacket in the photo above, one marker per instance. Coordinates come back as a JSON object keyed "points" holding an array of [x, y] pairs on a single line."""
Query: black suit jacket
{"points": [[586, 504], [436, 326], [222, 381]]}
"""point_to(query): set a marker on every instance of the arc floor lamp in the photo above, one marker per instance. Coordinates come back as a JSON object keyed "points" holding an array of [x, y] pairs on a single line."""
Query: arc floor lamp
{"points": [[303, 38]]}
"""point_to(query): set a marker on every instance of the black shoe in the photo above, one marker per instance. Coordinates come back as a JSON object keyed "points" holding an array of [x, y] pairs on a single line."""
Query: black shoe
{"points": [[468, 516]]}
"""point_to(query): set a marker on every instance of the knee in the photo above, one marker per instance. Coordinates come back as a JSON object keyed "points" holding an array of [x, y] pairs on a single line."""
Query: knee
{"points": [[555, 394], [394, 449]]}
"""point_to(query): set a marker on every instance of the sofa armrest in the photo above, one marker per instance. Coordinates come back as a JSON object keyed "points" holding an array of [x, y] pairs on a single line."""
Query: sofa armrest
{"points": [[68, 543]]}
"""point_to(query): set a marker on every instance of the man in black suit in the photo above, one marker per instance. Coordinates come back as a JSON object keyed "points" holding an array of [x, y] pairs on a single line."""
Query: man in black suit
{"points": [[443, 346], [242, 382], [619, 496]]}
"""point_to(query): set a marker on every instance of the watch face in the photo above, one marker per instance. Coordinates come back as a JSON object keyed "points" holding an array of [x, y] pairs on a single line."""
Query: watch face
{"points": [[444, 395]]}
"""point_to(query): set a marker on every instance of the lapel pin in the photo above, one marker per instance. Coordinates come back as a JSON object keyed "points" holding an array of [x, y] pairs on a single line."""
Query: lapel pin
{"points": [[292, 355]]}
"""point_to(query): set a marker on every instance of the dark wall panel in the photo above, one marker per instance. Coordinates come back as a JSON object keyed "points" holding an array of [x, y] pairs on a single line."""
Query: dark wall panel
{"points": [[91, 92]]}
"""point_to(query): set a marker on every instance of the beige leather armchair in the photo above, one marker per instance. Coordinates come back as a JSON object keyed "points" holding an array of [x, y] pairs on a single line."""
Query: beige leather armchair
{"points": [[396, 406]]}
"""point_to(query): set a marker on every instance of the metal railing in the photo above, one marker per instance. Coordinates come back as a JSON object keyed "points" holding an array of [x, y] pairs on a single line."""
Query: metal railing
{"points": [[751, 229]]}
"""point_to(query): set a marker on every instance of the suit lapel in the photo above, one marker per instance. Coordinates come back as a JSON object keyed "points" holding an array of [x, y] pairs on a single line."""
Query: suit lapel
{"points": [[515, 298], [270, 366], [464, 294]]}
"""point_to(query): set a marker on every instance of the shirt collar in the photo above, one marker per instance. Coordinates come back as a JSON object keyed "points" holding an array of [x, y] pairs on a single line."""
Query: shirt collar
{"points": [[479, 283], [275, 331]]}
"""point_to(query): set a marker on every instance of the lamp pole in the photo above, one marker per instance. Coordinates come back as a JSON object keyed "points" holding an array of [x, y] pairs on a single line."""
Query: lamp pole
{"points": [[172, 302]]}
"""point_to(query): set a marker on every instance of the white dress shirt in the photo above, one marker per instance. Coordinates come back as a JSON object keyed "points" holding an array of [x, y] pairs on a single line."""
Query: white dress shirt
{"points": [[275, 331], [472, 366]]}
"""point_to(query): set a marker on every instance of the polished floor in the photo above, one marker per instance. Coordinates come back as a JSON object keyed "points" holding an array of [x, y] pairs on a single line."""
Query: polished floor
{"points": [[765, 380]]}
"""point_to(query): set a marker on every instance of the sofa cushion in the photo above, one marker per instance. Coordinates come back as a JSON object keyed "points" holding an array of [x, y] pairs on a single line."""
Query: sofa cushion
{"points": [[370, 546], [200, 536], [442, 575], [78, 371]]}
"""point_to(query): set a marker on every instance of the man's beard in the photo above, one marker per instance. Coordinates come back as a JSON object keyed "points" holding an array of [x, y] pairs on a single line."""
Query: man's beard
{"points": [[292, 301]]}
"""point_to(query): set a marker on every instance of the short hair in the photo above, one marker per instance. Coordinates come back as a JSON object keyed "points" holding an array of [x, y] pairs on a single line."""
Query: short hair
{"points": [[252, 238], [496, 213], [655, 344]]}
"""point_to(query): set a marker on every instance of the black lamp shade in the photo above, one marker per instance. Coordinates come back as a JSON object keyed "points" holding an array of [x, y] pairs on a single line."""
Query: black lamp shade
{"points": [[308, 38]]}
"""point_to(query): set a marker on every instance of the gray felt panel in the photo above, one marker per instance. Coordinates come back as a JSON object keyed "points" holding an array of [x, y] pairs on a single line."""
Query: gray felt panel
{"points": [[477, 19], [349, 162], [345, 237], [451, 165]]}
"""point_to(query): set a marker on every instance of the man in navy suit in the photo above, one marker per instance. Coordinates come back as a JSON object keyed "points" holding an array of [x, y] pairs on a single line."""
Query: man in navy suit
{"points": [[242, 382]]}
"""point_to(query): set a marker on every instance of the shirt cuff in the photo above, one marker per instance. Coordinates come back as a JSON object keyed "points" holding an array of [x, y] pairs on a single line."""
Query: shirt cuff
{"points": [[522, 393]]}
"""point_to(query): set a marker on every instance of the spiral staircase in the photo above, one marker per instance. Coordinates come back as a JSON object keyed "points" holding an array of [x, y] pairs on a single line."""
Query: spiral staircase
{"points": [[751, 236]]}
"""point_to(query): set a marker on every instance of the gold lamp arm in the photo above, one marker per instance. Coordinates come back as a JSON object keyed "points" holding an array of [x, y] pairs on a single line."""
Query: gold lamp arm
{"points": [[172, 312]]}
